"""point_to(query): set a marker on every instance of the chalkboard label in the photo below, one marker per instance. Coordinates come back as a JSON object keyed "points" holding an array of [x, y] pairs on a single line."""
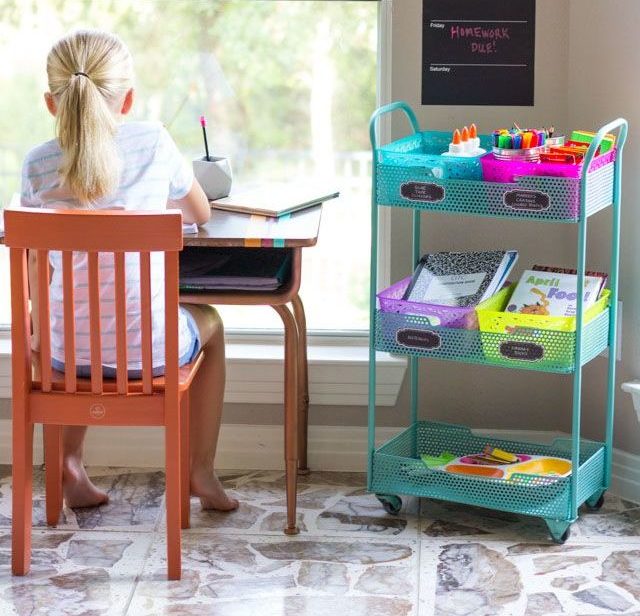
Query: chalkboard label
{"points": [[478, 52], [526, 200], [526, 351], [422, 191], [418, 339]]}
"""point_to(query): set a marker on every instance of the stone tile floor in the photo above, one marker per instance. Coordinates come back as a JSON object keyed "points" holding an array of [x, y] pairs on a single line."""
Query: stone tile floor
{"points": [[351, 557]]}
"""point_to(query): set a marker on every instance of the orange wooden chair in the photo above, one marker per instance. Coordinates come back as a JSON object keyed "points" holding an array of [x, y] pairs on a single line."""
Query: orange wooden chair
{"points": [[42, 395]]}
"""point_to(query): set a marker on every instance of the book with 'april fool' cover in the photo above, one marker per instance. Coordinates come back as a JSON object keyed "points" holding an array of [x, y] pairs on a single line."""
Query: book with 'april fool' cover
{"points": [[460, 278], [548, 293]]}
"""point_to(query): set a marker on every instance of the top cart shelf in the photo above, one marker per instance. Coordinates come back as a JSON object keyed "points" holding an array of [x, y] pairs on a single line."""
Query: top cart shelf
{"points": [[408, 176]]}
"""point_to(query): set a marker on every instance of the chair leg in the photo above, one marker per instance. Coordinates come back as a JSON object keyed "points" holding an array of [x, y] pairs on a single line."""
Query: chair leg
{"points": [[22, 491], [290, 414], [303, 385], [185, 463], [173, 495], [53, 472]]}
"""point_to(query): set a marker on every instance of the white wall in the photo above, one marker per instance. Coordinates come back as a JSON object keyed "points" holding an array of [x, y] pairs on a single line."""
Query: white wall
{"points": [[604, 57], [587, 59], [479, 395]]}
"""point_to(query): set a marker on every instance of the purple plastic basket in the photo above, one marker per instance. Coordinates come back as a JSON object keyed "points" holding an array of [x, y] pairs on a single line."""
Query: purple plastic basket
{"points": [[495, 170], [448, 316]]}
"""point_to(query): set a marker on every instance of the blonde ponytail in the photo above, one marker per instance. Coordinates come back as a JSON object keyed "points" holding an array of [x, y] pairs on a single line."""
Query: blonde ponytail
{"points": [[89, 73]]}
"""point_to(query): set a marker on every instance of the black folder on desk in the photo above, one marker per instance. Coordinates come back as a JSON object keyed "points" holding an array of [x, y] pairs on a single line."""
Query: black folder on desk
{"points": [[227, 269]]}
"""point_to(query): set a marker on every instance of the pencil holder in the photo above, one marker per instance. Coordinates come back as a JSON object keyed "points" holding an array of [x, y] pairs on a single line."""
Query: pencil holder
{"points": [[214, 175]]}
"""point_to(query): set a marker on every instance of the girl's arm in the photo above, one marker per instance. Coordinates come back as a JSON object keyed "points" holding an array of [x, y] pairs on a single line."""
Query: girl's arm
{"points": [[194, 205]]}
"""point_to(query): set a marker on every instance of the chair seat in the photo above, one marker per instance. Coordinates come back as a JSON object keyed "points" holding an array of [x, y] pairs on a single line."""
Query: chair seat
{"points": [[186, 374]]}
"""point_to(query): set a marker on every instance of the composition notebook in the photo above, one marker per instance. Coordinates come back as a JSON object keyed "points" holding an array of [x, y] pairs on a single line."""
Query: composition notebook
{"points": [[460, 278], [275, 199]]}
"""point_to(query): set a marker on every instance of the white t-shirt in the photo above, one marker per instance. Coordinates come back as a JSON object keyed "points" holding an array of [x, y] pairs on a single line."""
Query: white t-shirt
{"points": [[152, 171]]}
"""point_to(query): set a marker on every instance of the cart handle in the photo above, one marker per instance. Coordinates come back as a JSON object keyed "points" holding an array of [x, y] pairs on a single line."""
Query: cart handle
{"points": [[388, 109], [620, 124]]}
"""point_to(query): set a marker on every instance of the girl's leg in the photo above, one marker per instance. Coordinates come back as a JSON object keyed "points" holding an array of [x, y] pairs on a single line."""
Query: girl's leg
{"points": [[76, 486], [205, 401]]}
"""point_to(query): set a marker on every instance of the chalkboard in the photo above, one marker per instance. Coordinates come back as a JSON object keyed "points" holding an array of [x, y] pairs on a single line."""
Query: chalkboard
{"points": [[478, 52]]}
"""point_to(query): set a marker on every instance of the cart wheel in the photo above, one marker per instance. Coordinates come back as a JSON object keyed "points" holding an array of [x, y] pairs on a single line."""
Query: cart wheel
{"points": [[563, 538], [597, 505], [391, 503]]}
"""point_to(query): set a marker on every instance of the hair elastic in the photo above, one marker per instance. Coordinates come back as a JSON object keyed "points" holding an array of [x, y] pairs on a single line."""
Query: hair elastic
{"points": [[81, 73]]}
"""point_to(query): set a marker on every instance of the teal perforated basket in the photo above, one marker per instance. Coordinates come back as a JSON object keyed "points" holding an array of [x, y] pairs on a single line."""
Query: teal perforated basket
{"points": [[397, 468], [422, 152]]}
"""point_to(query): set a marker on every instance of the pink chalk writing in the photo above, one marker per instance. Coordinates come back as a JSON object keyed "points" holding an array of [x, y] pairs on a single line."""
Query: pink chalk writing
{"points": [[485, 48], [478, 32]]}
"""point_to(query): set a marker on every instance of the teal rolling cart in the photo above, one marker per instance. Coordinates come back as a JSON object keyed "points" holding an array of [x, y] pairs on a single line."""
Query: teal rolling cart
{"points": [[405, 175]]}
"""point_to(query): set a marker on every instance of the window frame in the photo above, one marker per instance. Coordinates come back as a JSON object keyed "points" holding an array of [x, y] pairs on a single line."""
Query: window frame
{"points": [[327, 349]]}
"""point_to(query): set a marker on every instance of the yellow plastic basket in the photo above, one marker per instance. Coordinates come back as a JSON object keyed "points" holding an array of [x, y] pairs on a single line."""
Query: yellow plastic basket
{"points": [[492, 318], [521, 340]]}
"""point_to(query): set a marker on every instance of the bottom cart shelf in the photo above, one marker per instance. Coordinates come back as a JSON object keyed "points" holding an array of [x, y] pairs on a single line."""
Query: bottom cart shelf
{"points": [[398, 469]]}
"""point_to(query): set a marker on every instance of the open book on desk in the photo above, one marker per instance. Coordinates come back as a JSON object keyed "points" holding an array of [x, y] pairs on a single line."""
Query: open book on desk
{"points": [[274, 198]]}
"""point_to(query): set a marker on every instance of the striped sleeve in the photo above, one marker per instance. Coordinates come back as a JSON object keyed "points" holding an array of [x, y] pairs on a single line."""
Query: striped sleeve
{"points": [[27, 197], [180, 173]]}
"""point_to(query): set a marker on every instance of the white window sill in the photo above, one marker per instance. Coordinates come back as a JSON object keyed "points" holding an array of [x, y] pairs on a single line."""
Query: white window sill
{"points": [[338, 371]]}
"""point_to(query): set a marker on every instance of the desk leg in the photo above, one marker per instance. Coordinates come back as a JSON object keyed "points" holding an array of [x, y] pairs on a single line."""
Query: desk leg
{"points": [[290, 413], [303, 384]]}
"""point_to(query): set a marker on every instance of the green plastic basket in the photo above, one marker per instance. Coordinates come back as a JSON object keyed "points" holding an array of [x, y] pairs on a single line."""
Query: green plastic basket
{"points": [[518, 339]]}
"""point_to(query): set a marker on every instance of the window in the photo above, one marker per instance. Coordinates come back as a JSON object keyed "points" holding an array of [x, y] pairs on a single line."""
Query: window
{"points": [[287, 87]]}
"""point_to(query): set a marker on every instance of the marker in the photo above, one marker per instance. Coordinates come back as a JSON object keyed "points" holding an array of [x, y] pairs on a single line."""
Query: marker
{"points": [[203, 123]]}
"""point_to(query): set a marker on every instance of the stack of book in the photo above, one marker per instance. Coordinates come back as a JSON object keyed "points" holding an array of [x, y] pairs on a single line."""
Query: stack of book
{"points": [[461, 279]]}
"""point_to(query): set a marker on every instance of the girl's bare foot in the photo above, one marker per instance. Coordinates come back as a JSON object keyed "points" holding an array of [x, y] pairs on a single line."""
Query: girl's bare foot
{"points": [[206, 486], [77, 488]]}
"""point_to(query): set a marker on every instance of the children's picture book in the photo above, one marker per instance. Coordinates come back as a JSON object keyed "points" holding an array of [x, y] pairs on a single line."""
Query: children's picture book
{"points": [[552, 293], [567, 270], [460, 278], [275, 198]]}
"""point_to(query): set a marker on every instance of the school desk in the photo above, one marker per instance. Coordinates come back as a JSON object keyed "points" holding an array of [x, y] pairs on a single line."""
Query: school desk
{"points": [[293, 232]]}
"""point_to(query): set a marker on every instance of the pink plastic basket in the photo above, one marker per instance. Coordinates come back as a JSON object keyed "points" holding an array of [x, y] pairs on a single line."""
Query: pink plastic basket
{"points": [[494, 170], [444, 316]]}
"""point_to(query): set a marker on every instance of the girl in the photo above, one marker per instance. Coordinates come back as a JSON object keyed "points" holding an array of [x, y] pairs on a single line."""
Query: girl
{"points": [[99, 162]]}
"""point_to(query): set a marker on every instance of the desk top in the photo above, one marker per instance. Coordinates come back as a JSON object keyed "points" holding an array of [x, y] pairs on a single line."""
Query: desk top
{"points": [[297, 229]]}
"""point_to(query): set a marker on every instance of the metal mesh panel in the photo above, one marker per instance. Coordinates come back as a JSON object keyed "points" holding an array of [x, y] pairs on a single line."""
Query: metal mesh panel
{"points": [[397, 469], [534, 349], [531, 197], [599, 189]]}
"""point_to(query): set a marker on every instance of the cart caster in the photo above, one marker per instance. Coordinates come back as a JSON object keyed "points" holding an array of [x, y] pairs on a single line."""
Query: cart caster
{"points": [[560, 531], [595, 504], [391, 503], [563, 538]]}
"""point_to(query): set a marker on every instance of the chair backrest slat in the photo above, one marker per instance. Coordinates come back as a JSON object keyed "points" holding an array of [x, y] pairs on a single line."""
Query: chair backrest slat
{"points": [[70, 383], [94, 323], [121, 324], [20, 323], [145, 320], [44, 319], [171, 331]]}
